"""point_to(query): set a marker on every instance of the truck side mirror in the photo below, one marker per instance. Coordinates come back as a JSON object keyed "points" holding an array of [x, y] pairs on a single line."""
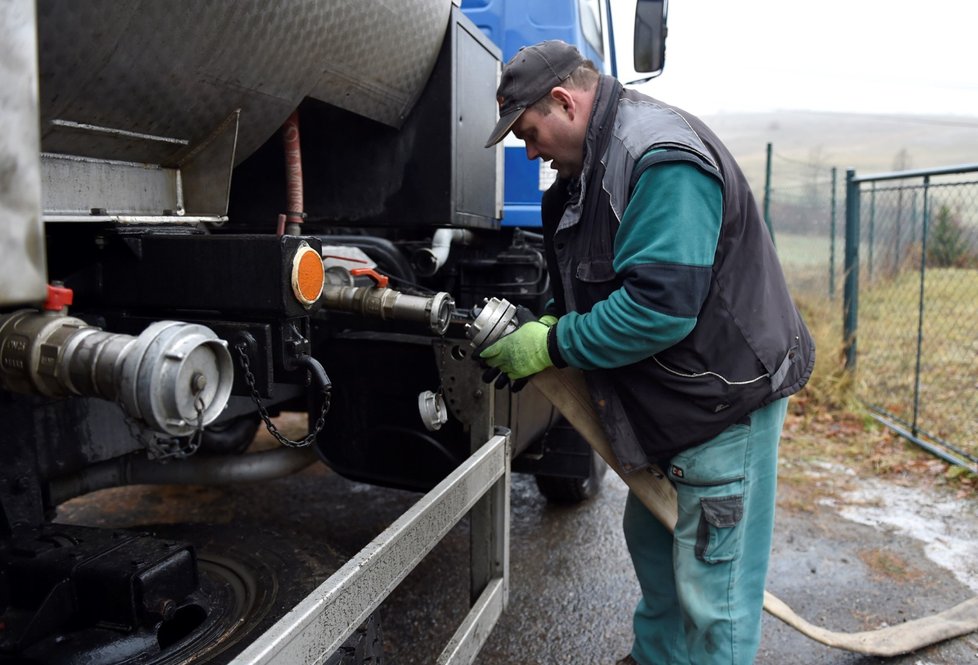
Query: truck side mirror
{"points": [[650, 36]]}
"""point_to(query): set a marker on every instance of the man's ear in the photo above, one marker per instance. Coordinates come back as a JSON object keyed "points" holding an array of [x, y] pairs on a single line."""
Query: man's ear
{"points": [[564, 100]]}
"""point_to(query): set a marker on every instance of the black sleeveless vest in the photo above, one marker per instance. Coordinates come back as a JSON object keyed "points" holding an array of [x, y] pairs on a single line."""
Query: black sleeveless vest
{"points": [[749, 347]]}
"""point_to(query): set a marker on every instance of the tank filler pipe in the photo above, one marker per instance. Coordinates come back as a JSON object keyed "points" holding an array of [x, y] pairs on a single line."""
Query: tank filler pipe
{"points": [[224, 470], [295, 203], [391, 305]]}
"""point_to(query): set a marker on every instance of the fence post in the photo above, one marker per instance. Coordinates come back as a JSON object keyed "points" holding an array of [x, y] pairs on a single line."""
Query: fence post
{"points": [[767, 194], [913, 218], [898, 236], [872, 228], [920, 305], [850, 296], [832, 240]]}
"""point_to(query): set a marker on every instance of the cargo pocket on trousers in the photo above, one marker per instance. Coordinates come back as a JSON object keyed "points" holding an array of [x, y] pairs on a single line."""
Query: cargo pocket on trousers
{"points": [[717, 537]]}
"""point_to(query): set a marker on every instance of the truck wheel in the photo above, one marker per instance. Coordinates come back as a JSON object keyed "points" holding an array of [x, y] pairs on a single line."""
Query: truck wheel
{"points": [[559, 489], [265, 572]]}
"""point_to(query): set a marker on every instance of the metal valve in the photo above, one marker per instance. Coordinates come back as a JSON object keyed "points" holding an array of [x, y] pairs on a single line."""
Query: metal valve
{"points": [[434, 413], [388, 304], [495, 319]]}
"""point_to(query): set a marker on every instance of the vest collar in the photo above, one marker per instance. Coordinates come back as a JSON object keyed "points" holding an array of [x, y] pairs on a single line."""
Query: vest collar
{"points": [[599, 128]]}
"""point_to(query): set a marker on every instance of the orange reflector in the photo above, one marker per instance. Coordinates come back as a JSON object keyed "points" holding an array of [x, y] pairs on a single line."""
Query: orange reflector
{"points": [[307, 275]]}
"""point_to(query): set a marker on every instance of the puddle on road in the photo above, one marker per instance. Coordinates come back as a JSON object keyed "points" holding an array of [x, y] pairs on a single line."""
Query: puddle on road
{"points": [[946, 527]]}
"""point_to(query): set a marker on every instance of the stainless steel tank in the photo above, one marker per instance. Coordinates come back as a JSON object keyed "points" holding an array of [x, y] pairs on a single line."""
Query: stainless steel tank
{"points": [[150, 81], [23, 269]]}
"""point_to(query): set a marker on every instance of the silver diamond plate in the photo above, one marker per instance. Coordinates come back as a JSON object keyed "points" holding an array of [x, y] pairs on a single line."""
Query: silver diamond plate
{"points": [[175, 70]]}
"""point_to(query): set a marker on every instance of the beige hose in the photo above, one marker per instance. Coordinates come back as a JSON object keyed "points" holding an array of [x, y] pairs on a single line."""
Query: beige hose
{"points": [[568, 392]]}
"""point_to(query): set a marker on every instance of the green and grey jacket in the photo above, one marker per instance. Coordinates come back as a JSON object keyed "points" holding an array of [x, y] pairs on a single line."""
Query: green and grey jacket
{"points": [[667, 281]]}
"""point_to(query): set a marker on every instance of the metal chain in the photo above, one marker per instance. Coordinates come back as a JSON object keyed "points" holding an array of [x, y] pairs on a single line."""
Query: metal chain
{"points": [[159, 447], [249, 378], [140, 435], [198, 436]]}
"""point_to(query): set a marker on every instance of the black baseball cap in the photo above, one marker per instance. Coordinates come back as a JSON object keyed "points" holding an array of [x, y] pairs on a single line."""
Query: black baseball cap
{"points": [[530, 76]]}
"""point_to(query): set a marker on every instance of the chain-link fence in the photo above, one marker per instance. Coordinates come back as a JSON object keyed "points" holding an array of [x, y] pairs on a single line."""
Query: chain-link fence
{"points": [[802, 206], [911, 304], [899, 252]]}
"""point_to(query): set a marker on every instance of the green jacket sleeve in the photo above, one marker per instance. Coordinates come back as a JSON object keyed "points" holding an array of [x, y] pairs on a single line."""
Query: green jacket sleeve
{"points": [[664, 253]]}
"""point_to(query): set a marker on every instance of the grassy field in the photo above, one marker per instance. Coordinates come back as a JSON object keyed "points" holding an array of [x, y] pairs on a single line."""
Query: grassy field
{"points": [[804, 251], [805, 259], [828, 426], [946, 405], [887, 352]]}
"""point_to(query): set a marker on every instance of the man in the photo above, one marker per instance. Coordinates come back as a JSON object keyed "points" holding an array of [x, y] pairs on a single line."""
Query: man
{"points": [[668, 293]]}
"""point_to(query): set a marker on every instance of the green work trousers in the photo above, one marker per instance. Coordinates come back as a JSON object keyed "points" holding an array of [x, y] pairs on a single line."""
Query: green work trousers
{"points": [[703, 589]]}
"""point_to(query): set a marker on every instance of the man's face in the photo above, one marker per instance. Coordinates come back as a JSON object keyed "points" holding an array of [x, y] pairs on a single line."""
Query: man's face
{"points": [[553, 137]]}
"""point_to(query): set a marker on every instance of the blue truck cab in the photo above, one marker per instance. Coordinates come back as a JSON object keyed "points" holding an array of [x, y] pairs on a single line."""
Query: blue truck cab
{"points": [[512, 24]]}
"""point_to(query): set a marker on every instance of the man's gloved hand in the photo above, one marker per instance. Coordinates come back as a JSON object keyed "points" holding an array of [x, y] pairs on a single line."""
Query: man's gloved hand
{"points": [[521, 353], [496, 376], [548, 320]]}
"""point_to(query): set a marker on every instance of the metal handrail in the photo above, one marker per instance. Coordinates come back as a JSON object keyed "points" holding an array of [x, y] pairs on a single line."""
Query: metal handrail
{"points": [[320, 623]]}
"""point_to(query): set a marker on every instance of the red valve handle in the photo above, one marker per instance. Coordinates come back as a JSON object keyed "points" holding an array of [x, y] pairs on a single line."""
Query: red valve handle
{"points": [[59, 297], [381, 280]]}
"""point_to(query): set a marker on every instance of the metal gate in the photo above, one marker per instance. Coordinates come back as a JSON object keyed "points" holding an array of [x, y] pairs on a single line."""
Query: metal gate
{"points": [[911, 304]]}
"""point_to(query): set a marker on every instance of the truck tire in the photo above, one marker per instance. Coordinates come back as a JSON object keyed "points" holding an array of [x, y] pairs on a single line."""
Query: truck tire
{"points": [[560, 489], [280, 581]]}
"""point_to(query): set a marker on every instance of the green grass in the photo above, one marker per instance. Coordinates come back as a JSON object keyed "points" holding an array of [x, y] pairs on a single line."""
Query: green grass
{"points": [[945, 403], [887, 341], [828, 422], [803, 251], [805, 260]]}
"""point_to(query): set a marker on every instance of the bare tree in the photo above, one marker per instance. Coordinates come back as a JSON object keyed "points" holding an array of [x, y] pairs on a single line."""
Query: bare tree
{"points": [[902, 161]]}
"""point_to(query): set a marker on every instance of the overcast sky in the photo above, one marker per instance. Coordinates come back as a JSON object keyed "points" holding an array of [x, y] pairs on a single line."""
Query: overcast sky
{"points": [[864, 56]]}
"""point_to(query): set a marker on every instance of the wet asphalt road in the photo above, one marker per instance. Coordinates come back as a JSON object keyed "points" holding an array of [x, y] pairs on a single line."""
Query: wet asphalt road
{"points": [[572, 589]]}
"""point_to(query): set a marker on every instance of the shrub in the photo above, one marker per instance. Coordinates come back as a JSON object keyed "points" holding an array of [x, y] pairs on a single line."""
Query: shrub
{"points": [[947, 245]]}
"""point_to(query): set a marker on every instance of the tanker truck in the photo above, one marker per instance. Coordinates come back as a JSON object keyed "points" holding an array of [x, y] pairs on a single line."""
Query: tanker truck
{"points": [[214, 213]]}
